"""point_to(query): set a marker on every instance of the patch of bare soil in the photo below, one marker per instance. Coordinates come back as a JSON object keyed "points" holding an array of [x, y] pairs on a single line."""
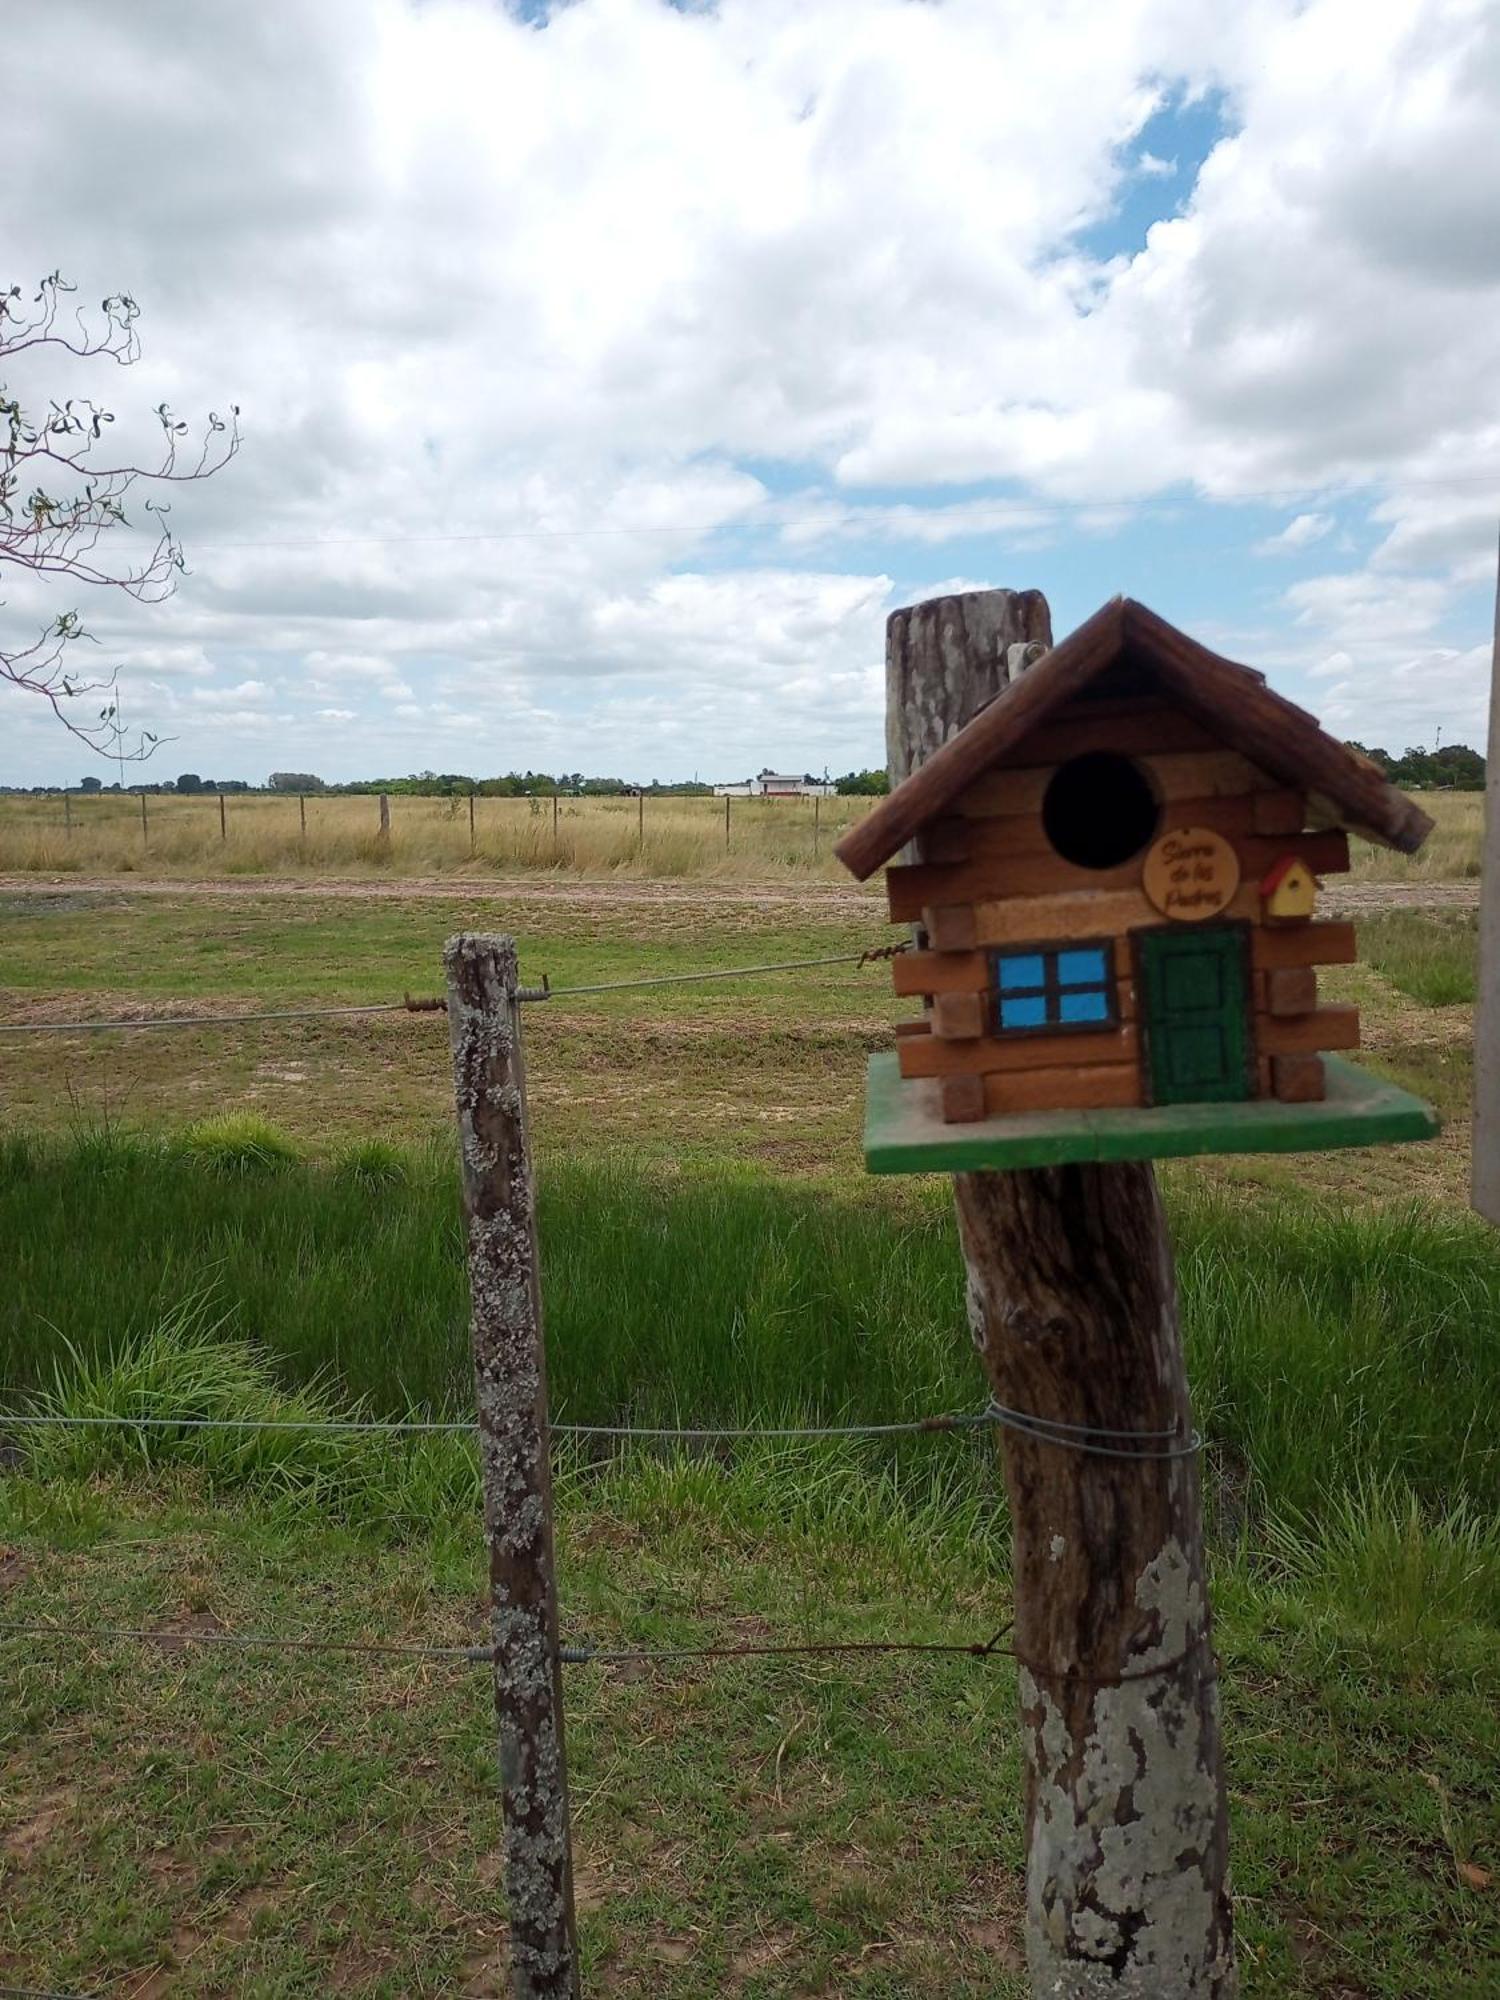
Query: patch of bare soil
{"points": [[1351, 899], [574, 890]]}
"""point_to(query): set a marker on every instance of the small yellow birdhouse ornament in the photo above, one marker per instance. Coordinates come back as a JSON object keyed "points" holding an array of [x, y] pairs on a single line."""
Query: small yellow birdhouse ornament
{"points": [[1288, 891]]}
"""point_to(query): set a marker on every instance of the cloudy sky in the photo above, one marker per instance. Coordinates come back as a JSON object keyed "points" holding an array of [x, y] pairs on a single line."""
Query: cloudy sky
{"points": [[610, 370]]}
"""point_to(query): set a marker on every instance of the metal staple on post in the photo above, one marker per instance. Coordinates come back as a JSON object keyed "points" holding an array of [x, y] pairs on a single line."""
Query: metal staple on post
{"points": [[510, 1379]]}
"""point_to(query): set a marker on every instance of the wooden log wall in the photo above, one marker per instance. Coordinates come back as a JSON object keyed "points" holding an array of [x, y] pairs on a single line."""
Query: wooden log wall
{"points": [[987, 876]]}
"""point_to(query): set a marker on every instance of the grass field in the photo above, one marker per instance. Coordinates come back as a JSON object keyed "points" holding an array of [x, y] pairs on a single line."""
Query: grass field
{"points": [[659, 838], [264, 1223], [655, 838]]}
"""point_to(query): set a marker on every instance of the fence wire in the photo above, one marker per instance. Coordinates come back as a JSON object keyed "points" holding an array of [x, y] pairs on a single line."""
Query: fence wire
{"points": [[435, 1004]]}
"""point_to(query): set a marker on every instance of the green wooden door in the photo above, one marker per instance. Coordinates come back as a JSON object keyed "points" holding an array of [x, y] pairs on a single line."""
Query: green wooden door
{"points": [[1192, 987]]}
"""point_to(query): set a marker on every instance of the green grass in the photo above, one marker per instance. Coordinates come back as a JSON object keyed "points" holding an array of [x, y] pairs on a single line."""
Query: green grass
{"points": [[272, 1825], [256, 1824], [1431, 956], [1323, 1348]]}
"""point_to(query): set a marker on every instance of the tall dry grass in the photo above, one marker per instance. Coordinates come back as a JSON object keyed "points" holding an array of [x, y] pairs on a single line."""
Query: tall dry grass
{"points": [[671, 837], [1451, 852], [654, 837]]}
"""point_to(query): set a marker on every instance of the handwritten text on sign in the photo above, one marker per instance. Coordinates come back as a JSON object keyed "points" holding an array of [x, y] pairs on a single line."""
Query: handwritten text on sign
{"points": [[1191, 873]]}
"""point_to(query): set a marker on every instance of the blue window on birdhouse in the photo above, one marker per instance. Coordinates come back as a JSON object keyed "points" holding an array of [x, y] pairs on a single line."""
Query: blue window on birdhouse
{"points": [[1053, 986]]}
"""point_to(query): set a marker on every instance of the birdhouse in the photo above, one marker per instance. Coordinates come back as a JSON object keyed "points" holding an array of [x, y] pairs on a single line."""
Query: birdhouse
{"points": [[1111, 875], [1288, 891]]}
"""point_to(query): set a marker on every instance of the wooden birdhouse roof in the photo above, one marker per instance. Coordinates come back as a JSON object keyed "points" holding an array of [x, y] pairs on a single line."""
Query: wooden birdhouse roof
{"points": [[1126, 648]]}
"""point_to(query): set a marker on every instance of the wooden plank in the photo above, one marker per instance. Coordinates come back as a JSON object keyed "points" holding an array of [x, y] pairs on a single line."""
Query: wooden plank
{"points": [[1290, 990], [960, 1017], [950, 926], [1277, 812], [1129, 729], [1324, 1028], [1187, 774], [962, 1099], [1059, 919], [1297, 1079], [1061, 1089], [905, 1132], [1302, 944], [927, 1055], [922, 1027], [930, 972], [910, 889]]}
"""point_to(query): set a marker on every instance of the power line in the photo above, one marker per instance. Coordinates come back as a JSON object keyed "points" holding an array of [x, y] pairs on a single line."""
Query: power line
{"points": [[1017, 512]]}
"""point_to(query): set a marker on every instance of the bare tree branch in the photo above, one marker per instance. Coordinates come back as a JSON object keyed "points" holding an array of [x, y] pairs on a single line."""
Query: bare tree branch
{"points": [[71, 500]]}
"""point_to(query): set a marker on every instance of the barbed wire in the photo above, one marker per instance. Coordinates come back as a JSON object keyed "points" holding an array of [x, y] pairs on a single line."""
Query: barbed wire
{"points": [[953, 1420], [1085, 1438], [435, 1004], [604, 1656], [571, 1656]]}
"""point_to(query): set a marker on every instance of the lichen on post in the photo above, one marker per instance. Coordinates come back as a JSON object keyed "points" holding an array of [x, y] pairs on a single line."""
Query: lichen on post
{"points": [[510, 1380]]}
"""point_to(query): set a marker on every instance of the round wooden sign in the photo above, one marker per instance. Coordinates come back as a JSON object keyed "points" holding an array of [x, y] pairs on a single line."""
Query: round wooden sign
{"points": [[1191, 873]]}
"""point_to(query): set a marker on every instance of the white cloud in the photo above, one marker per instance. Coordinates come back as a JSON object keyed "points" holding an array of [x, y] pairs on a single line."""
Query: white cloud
{"points": [[561, 412], [1299, 533]]}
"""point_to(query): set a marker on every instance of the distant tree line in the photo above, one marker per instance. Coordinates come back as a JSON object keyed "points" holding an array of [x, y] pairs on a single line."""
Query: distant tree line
{"points": [[1454, 768]]}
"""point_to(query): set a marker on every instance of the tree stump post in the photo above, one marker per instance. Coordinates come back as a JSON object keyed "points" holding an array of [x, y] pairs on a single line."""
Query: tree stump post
{"points": [[1073, 1309], [510, 1379]]}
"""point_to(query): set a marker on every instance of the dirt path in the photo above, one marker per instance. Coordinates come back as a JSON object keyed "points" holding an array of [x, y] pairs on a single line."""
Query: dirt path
{"points": [[1340, 899], [520, 888]]}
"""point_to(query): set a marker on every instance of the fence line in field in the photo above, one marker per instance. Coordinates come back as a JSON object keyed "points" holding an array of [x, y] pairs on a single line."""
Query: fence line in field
{"points": [[436, 1005], [600, 806]]}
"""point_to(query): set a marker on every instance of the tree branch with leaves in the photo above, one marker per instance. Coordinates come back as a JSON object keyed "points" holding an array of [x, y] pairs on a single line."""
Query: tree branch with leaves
{"points": [[61, 492]]}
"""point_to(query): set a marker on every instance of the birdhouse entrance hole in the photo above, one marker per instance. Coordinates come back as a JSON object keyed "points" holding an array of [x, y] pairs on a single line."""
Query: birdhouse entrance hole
{"points": [[1099, 810]]}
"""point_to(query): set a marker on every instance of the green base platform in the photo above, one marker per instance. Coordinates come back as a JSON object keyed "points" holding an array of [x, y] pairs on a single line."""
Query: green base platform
{"points": [[905, 1133]]}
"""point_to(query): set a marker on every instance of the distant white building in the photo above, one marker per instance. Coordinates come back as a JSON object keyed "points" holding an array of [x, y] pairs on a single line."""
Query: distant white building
{"points": [[777, 785]]}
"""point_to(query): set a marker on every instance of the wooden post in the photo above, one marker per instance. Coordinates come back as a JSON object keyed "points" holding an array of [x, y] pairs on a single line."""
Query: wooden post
{"points": [[1485, 1192], [145, 836], [471, 822], [223, 828], [1073, 1308], [385, 818], [817, 801], [556, 837], [67, 816], [510, 1378], [640, 821], [302, 814], [726, 822]]}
